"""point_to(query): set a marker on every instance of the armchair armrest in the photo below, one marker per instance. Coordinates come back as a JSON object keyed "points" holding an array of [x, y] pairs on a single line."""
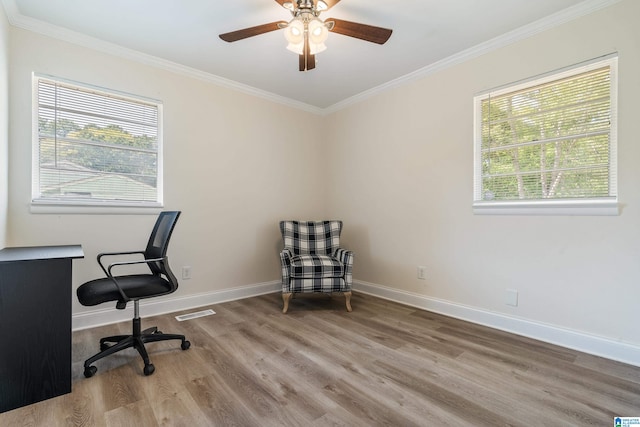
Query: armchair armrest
{"points": [[346, 258], [285, 254], [285, 263]]}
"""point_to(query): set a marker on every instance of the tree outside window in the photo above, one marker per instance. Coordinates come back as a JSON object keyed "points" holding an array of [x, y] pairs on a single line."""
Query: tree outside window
{"points": [[95, 147], [549, 140]]}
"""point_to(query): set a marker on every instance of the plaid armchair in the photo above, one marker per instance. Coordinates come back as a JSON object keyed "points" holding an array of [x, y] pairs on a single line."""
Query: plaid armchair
{"points": [[312, 260]]}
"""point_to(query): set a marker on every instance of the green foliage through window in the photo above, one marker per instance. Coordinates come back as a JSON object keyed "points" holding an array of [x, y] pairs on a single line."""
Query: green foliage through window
{"points": [[548, 140], [95, 146]]}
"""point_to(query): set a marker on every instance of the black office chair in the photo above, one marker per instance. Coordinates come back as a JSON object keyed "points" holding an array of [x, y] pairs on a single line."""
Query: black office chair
{"points": [[135, 287]]}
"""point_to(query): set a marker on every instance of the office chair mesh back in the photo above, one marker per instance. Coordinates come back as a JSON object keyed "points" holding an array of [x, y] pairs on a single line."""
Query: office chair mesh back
{"points": [[159, 242]]}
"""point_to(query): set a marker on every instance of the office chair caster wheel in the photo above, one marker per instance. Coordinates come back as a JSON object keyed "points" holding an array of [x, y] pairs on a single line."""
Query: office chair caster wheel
{"points": [[90, 371], [185, 345], [149, 369]]}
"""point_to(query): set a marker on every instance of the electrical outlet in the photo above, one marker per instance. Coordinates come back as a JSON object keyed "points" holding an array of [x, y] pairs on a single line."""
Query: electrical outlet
{"points": [[422, 273], [511, 297], [186, 272]]}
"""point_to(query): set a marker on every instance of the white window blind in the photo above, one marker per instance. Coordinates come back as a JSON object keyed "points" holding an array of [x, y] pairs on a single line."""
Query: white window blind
{"points": [[548, 141], [93, 147]]}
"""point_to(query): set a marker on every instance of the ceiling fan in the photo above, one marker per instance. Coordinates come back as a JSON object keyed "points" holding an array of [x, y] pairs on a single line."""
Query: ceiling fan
{"points": [[306, 32]]}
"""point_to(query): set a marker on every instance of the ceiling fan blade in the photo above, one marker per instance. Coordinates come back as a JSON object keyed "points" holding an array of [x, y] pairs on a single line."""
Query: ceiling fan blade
{"points": [[251, 31], [306, 60], [282, 2], [360, 31], [309, 64], [330, 3]]}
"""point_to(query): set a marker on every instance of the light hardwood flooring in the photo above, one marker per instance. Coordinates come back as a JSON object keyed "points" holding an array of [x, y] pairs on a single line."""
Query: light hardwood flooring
{"points": [[318, 365]]}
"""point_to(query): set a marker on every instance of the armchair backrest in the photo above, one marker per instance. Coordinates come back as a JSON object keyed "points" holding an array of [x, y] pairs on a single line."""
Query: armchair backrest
{"points": [[311, 237]]}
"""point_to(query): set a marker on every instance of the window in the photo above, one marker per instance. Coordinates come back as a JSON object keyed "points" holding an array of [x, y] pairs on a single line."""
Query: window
{"points": [[549, 145], [94, 147]]}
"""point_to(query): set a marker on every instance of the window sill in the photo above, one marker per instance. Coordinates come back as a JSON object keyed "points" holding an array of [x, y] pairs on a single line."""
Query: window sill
{"points": [[56, 207], [555, 207]]}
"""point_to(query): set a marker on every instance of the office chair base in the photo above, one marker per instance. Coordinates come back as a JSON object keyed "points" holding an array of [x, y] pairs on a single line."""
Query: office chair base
{"points": [[137, 341]]}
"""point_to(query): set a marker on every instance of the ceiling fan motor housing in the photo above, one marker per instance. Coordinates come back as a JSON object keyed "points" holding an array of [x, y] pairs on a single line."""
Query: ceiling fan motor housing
{"points": [[306, 6]]}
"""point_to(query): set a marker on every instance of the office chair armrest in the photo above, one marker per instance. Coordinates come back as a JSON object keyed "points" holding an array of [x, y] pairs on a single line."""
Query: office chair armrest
{"points": [[119, 263], [103, 254], [100, 255], [142, 261]]}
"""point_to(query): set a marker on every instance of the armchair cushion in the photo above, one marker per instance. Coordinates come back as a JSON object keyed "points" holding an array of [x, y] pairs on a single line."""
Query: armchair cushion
{"points": [[315, 266]]}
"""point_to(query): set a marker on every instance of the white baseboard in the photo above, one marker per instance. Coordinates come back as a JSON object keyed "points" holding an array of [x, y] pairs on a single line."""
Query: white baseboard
{"points": [[105, 316], [592, 344]]}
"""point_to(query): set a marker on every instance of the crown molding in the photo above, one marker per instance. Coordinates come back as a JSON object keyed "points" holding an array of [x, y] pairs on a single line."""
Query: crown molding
{"points": [[587, 7], [18, 20], [529, 30]]}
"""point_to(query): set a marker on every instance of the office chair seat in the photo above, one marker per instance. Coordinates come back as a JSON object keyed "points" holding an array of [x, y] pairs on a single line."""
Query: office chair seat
{"points": [[135, 286]]}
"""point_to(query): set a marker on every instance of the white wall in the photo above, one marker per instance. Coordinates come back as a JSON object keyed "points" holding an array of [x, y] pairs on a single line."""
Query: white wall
{"points": [[232, 165], [4, 125], [404, 187], [402, 182]]}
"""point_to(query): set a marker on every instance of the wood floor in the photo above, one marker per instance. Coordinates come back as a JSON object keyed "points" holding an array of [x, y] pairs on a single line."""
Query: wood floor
{"points": [[382, 364]]}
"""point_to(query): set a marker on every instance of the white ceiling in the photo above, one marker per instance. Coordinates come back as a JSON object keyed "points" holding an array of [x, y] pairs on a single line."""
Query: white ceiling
{"points": [[183, 34]]}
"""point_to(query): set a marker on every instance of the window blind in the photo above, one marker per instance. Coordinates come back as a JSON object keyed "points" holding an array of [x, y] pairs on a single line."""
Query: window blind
{"points": [[550, 139], [96, 147]]}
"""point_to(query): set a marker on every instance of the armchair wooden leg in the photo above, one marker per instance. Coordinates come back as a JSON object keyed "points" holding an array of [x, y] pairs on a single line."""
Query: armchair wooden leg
{"points": [[286, 297], [347, 297]]}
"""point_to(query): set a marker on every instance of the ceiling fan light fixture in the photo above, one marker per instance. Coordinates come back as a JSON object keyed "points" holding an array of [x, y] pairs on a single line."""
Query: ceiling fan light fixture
{"points": [[294, 33], [295, 48], [321, 6], [318, 32], [313, 48]]}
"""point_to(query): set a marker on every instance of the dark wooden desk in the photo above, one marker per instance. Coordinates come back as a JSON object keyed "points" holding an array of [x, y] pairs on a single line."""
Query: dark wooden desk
{"points": [[35, 323]]}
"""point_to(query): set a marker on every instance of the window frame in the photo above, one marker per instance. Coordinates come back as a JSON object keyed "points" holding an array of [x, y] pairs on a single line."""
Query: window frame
{"points": [[41, 204], [578, 206]]}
